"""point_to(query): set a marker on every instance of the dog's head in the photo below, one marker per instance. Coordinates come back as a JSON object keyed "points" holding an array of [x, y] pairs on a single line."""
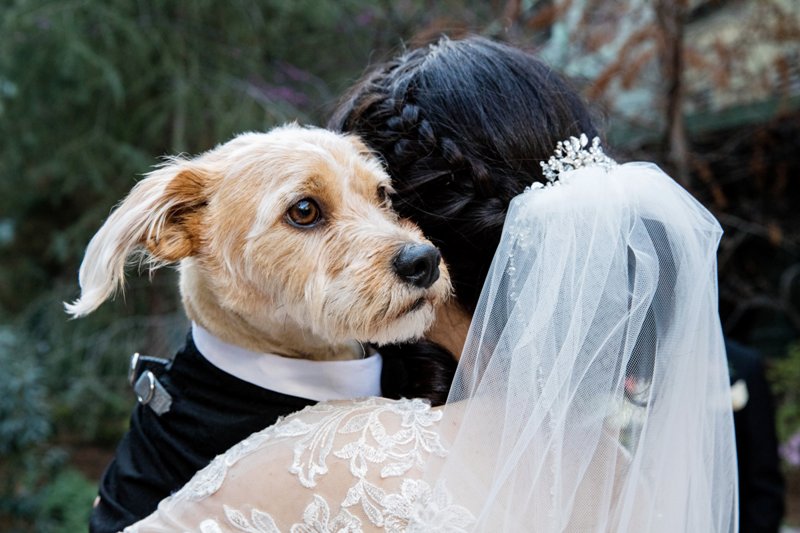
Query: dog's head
{"points": [[292, 225]]}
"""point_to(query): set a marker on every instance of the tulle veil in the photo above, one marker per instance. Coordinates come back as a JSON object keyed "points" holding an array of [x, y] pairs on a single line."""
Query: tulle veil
{"points": [[593, 392]]}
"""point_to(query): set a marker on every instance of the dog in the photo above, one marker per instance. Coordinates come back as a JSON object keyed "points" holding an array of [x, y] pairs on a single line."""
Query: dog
{"points": [[286, 241], [287, 244]]}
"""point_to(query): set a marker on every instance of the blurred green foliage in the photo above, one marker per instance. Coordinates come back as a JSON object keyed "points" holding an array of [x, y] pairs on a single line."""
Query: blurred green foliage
{"points": [[66, 502], [784, 377]]}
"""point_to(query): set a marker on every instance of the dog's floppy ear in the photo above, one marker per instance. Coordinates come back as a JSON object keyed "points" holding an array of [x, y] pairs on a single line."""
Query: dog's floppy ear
{"points": [[159, 217]]}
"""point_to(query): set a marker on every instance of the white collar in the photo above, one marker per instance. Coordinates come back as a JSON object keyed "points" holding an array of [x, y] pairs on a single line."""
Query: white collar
{"points": [[313, 380]]}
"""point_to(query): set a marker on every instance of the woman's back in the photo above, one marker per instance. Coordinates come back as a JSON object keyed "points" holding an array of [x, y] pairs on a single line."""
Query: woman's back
{"points": [[346, 467]]}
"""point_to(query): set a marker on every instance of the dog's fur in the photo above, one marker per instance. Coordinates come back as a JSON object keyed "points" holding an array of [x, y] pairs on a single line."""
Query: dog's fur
{"points": [[247, 274]]}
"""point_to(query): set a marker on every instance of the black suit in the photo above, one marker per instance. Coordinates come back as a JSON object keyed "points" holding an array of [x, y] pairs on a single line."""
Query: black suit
{"points": [[210, 412], [760, 481]]}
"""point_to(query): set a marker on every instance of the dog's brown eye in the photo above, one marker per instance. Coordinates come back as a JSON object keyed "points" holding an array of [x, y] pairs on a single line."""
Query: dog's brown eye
{"points": [[304, 213]]}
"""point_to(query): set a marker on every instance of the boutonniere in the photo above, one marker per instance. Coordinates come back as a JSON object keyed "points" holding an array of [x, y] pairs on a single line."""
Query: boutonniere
{"points": [[739, 395]]}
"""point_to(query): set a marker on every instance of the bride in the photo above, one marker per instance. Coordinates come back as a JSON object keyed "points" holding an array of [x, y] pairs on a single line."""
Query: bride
{"points": [[591, 393]]}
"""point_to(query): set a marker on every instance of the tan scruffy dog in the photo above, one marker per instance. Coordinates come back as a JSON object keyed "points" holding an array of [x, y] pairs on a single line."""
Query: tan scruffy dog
{"points": [[287, 244]]}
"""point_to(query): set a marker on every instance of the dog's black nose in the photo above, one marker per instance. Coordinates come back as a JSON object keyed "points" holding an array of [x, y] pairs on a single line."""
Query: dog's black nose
{"points": [[418, 264]]}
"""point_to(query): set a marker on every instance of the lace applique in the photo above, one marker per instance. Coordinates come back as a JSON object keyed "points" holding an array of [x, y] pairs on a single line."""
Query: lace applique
{"points": [[372, 443], [398, 452], [405, 448], [415, 508], [317, 514], [259, 522], [316, 519], [208, 480], [418, 509]]}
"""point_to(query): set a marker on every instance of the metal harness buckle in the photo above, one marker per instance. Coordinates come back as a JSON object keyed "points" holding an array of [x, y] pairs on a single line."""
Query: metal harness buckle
{"points": [[148, 390]]}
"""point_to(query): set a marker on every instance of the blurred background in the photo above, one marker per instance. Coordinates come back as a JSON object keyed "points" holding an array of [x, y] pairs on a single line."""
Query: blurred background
{"points": [[93, 92]]}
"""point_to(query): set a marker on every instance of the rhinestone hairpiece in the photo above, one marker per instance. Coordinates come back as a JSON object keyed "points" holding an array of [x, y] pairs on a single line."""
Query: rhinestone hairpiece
{"points": [[573, 154]]}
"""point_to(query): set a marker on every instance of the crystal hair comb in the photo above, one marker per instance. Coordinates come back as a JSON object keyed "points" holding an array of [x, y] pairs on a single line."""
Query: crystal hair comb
{"points": [[573, 154]]}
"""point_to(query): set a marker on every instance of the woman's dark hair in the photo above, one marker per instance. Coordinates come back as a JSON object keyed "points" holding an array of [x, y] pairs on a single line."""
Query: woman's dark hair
{"points": [[461, 126]]}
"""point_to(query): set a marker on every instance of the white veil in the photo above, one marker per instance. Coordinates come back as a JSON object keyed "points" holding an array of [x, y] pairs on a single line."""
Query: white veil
{"points": [[595, 372]]}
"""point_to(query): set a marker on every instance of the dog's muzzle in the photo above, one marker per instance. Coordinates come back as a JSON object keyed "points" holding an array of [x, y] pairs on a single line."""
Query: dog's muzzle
{"points": [[417, 264]]}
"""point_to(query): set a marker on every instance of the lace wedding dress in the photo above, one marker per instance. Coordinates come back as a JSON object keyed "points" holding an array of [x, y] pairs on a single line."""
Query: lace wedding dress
{"points": [[592, 393], [352, 467]]}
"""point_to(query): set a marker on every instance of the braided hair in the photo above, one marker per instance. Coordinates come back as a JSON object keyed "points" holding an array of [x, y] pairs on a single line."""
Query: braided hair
{"points": [[461, 126]]}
